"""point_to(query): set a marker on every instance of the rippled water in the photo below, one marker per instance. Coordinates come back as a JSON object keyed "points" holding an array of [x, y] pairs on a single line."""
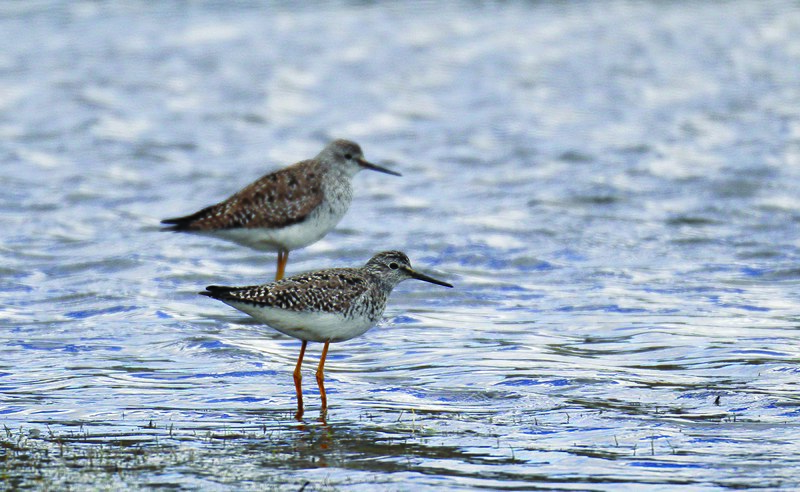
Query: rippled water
{"points": [[614, 188]]}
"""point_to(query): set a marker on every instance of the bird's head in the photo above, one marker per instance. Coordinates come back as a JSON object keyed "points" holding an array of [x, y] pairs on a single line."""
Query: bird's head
{"points": [[348, 157]]}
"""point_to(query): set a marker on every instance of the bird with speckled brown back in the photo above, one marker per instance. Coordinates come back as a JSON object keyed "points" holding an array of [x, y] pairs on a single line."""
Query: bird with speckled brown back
{"points": [[287, 209]]}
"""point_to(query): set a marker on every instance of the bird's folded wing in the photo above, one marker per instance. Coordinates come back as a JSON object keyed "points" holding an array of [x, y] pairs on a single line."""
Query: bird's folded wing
{"points": [[334, 290], [279, 199]]}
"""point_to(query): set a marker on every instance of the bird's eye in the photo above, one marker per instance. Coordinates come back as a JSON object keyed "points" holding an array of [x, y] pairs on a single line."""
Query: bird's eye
{"points": [[394, 266], [348, 156]]}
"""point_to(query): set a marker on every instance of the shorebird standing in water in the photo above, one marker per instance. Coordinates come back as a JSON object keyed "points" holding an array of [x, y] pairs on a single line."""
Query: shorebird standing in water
{"points": [[324, 306], [287, 209]]}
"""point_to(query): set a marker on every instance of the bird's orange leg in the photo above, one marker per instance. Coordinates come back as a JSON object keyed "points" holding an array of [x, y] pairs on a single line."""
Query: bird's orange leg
{"points": [[283, 258], [298, 378], [321, 375]]}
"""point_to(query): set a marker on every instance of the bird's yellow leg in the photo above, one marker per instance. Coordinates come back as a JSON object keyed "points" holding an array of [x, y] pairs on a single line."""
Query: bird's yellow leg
{"points": [[321, 375], [283, 258], [298, 378]]}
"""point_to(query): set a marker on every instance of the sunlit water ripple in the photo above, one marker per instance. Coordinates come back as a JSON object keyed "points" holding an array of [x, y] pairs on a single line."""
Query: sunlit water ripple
{"points": [[613, 187]]}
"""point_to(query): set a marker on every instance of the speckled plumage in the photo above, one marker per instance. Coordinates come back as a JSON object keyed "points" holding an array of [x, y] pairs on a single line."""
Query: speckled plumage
{"points": [[342, 302], [336, 290], [287, 209], [325, 306], [278, 199]]}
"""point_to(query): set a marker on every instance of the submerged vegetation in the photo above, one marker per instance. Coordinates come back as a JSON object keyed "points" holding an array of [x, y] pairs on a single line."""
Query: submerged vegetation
{"points": [[371, 448], [145, 457]]}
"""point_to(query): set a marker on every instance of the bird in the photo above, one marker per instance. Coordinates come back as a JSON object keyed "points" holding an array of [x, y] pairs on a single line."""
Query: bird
{"points": [[325, 306], [287, 209]]}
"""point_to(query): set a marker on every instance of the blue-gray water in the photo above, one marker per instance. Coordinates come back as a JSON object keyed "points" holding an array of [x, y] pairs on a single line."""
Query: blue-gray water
{"points": [[613, 187]]}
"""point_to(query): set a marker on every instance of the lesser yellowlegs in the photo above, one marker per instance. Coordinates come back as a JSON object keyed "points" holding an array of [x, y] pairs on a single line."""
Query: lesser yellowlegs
{"points": [[326, 306], [288, 209]]}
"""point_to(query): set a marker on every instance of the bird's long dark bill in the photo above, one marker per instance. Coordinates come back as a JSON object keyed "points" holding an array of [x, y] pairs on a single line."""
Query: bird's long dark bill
{"points": [[374, 167], [422, 276]]}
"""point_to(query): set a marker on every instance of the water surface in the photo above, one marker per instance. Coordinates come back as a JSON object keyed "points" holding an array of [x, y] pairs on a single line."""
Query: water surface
{"points": [[613, 187]]}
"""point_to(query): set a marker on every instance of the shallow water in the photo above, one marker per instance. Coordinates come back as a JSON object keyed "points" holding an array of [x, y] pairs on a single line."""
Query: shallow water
{"points": [[613, 187]]}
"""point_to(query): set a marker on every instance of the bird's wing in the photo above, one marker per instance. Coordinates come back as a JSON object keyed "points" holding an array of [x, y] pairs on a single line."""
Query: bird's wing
{"points": [[276, 200], [333, 290]]}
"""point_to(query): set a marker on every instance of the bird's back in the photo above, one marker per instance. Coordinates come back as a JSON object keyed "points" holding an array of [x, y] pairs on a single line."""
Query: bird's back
{"points": [[342, 291], [327, 305], [277, 200]]}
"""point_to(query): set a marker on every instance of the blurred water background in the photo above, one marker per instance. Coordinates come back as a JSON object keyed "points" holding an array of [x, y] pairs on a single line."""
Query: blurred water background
{"points": [[613, 186]]}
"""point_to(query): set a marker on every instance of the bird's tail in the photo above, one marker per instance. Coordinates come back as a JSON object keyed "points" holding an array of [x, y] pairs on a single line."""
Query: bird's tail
{"points": [[217, 291], [186, 223]]}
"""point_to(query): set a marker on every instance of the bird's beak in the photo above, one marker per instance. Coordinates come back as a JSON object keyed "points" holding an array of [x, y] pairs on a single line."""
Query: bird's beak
{"points": [[421, 276], [374, 167]]}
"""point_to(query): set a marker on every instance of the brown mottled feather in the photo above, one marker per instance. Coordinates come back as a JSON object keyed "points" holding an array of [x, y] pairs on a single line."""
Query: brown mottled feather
{"points": [[276, 200], [336, 290]]}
